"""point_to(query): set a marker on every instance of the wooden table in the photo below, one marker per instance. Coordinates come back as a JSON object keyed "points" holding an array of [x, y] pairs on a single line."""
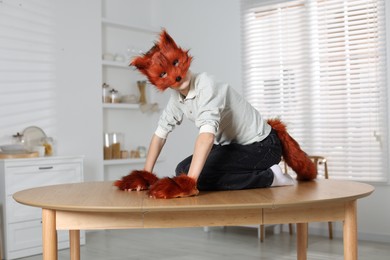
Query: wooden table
{"points": [[99, 205]]}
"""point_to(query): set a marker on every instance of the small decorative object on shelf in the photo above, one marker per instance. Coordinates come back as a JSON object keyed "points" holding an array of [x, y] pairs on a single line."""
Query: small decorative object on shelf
{"points": [[119, 58], [108, 56], [141, 87], [134, 154], [124, 154], [142, 151], [115, 96], [48, 144], [106, 93]]}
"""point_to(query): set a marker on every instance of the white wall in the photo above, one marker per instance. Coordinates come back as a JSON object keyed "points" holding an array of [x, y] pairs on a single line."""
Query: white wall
{"points": [[79, 75], [133, 12], [78, 79]]}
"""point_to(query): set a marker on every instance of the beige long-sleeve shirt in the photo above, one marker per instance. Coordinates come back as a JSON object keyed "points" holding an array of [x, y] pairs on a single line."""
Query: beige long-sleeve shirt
{"points": [[215, 108]]}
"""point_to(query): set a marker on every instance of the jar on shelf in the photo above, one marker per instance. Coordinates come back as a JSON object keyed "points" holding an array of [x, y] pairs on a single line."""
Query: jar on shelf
{"points": [[107, 149], [115, 96], [106, 93], [48, 143], [142, 151], [116, 143], [124, 154], [142, 87]]}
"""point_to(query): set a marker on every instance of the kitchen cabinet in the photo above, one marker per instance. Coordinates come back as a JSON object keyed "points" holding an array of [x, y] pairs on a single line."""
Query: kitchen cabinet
{"points": [[120, 42], [21, 225]]}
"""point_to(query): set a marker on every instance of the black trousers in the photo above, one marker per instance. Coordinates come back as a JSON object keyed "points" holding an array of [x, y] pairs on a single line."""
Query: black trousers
{"points": [[236, 166]]}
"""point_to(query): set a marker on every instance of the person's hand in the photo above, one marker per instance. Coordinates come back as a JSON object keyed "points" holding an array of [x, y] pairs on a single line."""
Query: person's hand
{"points": [[176, 187], [136, 180]]}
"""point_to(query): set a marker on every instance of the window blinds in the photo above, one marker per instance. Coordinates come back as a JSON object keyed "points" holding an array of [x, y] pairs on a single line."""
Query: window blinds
{"points": [[27, 66], [320, 65]]}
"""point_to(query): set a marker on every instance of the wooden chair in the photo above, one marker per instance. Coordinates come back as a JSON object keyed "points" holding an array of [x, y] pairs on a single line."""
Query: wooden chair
{"points": [[318, 161], [1, 242]]}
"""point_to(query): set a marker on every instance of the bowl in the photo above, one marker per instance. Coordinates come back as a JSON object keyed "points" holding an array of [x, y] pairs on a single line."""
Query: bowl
{"points": [[12, 148]]}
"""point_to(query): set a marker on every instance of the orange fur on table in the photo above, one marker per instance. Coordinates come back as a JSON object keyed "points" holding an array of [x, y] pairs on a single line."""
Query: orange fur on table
{"points": [[165, 188], [136, 180], [176, 187]]}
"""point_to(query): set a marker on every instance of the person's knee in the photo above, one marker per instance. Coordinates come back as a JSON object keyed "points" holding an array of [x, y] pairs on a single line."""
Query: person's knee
{"points": [[177, 170], [181, 168]]}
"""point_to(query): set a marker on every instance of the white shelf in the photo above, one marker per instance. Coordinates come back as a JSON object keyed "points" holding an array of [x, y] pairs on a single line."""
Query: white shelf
{"points": [[114, 33], [120, 106], [144, 29], [116, 64], [126, 161]]}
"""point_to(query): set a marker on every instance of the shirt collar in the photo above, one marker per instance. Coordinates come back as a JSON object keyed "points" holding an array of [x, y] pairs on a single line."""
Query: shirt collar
{"points": [[191, 93]]}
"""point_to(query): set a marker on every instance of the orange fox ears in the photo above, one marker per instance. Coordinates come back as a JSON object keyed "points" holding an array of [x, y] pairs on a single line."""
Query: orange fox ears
{"points": [[165, 64], [143, 62], [166, 41]]}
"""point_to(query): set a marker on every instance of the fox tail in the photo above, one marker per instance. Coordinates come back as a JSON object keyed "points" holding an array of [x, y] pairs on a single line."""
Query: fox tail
{"points": [[293, 155]]}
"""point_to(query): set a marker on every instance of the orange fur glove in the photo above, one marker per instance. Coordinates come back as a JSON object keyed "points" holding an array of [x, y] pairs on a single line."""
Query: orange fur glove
{"points": [[176, 187], [136, 180]]}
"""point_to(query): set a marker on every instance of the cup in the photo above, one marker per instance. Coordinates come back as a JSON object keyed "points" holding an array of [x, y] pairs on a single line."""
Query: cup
{"points": [[40, 149]]}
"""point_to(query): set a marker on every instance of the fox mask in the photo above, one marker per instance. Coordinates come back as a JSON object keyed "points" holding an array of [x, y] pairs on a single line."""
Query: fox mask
{"points": [[165, 64]]}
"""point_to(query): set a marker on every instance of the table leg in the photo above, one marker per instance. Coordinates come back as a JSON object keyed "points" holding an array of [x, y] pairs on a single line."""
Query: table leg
{"points": [[350, 231], [49, 234], [74, 236], [301, 241]]}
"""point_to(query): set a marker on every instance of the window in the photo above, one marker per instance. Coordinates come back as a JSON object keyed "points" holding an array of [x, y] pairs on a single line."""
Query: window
{"points": [[320, 65]]}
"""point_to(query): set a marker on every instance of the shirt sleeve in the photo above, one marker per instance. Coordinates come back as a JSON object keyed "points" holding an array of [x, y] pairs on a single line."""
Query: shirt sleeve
{"points": [[211, 103], [169, 119]]}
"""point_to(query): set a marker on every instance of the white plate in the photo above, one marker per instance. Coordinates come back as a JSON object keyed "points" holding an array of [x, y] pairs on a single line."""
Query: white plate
{"points": [[32, 136]]}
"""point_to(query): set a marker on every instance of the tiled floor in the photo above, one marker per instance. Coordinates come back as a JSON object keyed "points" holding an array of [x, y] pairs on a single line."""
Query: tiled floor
{"points": [[231, 243]]}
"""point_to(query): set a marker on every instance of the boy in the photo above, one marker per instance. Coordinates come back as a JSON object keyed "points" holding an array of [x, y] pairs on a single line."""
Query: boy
{"points": [[235, 149]]}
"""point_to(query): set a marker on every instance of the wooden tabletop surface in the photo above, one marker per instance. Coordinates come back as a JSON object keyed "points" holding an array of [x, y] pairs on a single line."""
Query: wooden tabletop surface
{"points": [[104, 197]]}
